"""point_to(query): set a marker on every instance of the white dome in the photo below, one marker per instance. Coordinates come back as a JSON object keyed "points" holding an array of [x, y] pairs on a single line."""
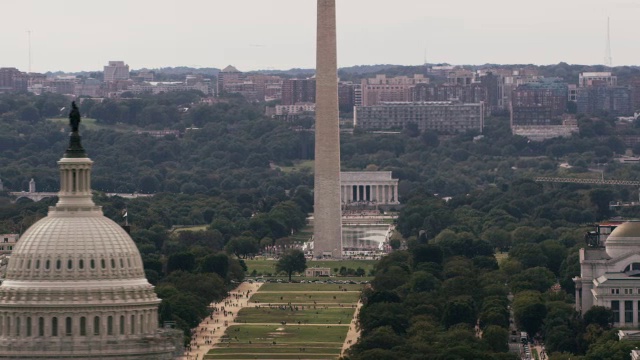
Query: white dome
{"points": [[75, 246], [624, 239], [75, 285]]}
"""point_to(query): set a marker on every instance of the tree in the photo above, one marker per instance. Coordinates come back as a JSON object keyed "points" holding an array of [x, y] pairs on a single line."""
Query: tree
{"points": [[292, 261], [185, 261], [242, 246], [599, 315], [529, 310], [29, 113], [496, 337]]}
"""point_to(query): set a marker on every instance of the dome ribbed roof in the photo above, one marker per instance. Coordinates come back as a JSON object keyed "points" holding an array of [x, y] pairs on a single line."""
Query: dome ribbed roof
{"points": [[624, 239], [75, 246]]}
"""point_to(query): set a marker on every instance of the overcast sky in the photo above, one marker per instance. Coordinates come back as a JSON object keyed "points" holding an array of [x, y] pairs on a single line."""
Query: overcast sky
{"points": [[74, 35]]}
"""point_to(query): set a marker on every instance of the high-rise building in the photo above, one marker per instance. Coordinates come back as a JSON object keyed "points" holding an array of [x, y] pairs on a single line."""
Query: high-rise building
{"points": [[116, 70], [75, 287], [227, 77], [10, 80], [383, 89], [616, 100], [327, 229], [551, 92], [597, 79], [296, 91], [443, 116]]}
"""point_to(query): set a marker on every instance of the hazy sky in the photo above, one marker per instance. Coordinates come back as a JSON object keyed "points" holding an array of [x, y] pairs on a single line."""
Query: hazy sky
{"points": [[74, 35]]}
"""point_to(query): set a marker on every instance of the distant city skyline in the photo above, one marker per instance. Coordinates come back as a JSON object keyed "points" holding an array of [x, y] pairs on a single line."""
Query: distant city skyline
{"points": [[259, 35]]}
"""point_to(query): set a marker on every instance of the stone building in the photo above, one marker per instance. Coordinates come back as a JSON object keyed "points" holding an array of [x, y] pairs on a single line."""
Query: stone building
{"points": [[369, 187], [75, 286], [7, 243], [609, 275], [443, 116]]}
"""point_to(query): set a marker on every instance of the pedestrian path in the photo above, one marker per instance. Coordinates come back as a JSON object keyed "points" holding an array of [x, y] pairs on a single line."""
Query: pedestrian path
{"points": [[354, 332], [212, 328]]}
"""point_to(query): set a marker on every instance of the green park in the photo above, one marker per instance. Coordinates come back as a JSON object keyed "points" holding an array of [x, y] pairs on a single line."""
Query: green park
{"points": [[291, 320]]}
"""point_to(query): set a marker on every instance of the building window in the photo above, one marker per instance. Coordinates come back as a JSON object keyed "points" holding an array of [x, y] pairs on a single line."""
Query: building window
{"points": [[113, 263], [81, 264], [110, 325], [69, 264], [141, 324], [41, 326], [133, 324], [615, 307], [18, 325], [83, 326], [37, 264], [628, 312], [54, 326], [47, 264], [615, 291], [96, 325], [121, 324], [58, 264], [103, 264], [68, 326], [29, 326]]}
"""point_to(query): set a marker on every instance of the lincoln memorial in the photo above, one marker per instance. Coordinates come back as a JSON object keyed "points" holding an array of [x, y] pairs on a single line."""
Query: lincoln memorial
{"points": [[375, 187]]}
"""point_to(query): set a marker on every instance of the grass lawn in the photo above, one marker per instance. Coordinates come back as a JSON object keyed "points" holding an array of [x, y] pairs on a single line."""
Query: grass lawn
{"points": [[92, 124], [269, 266], [281, 341], [306, 297], [309, 287], [297, 166], [306, 316], [192, 228]]}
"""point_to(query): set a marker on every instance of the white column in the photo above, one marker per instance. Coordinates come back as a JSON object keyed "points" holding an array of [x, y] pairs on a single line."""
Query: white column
{"points": [[395, 193], [69, 181], [635, 312]]}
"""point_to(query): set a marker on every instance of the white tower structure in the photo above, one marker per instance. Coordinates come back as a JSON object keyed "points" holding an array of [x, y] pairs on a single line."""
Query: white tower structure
{"points": [[327, 229], [608, 60], [75, 287]]}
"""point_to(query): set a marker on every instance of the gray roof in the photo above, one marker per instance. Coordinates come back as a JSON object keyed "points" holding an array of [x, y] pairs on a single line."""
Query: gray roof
{"points": [[596, 254], [365, 176]]}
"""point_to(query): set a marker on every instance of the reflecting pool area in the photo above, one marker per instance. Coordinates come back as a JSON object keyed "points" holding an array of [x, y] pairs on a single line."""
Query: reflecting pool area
{"points": [[364, 236]]}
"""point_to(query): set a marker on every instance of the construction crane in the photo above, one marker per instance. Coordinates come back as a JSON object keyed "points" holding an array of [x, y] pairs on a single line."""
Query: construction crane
{"points": [[591, 181]]}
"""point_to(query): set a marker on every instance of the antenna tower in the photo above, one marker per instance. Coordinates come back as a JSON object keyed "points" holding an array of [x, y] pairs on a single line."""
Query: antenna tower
{"points": [[608, 60], [29, 40]]}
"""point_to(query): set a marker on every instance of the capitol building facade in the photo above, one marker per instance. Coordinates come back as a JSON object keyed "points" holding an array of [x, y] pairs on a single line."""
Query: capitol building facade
{"points": [[75, 286]]}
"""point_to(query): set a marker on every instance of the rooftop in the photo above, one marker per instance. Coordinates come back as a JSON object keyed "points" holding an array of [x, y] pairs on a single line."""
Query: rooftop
{"points": [[365, 176]]}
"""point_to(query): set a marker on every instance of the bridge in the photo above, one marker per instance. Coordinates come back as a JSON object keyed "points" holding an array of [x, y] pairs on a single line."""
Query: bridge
{"points": [[37, 196]]}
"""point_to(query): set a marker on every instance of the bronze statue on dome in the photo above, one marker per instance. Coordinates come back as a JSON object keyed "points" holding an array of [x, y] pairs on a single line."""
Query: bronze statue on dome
{"points": [[74, 117]]}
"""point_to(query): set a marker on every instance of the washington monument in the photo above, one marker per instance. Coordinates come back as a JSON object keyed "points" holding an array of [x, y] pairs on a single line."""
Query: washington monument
{"points": [[327, 231]]}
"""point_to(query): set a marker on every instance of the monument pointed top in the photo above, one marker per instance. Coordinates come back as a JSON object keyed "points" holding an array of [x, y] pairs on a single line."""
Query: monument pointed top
{"points": [[75, 149]]}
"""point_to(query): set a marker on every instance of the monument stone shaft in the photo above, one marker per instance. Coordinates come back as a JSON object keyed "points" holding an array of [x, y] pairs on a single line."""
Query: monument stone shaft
{"points": [[327, 209]]}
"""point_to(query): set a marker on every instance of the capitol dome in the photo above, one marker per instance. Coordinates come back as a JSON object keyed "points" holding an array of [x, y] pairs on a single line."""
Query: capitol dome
{"points": [[75, 286], [624, 239]]}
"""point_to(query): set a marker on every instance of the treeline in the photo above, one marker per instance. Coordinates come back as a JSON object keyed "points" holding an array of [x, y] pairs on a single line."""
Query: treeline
{"points": [[538, 229], [426, 302]]}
